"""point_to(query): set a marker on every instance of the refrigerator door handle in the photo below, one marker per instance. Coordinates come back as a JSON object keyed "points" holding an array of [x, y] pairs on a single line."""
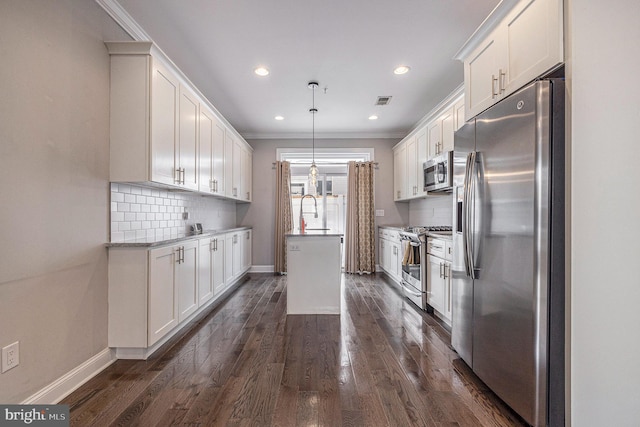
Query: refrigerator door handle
{"points": [[466, 214], [471, 209]]}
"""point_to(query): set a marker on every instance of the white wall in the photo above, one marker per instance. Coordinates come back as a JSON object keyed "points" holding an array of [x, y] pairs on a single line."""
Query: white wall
{"points": [[261, 213], [54, 150], [605, 312]]}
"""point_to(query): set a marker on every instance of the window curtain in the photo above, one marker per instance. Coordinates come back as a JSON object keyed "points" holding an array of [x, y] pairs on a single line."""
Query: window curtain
{"points": [[359, 240], [284, 217]]}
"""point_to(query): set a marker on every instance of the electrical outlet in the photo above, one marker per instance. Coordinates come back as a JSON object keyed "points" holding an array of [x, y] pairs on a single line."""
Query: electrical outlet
{"points": [[10, 356]]}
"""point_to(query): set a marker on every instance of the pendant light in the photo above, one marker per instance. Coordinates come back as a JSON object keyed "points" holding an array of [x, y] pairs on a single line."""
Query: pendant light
{"points": [[313, 170]]}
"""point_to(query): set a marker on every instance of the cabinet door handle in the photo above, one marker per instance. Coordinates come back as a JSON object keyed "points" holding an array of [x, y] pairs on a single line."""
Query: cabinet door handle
{"points": [[235, 192], [248, 196], [440, 270], [501, 81], [494, 80], [177, 178]]}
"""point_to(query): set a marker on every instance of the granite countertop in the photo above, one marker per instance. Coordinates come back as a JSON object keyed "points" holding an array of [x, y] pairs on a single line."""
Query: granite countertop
{"points": [[153, 242]]}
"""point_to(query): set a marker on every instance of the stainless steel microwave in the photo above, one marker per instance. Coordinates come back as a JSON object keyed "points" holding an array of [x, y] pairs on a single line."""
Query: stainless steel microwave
{"points": [[438, 173]]}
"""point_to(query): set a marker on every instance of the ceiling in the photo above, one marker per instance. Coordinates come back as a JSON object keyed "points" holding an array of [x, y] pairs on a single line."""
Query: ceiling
{"points": [[350, 47]]}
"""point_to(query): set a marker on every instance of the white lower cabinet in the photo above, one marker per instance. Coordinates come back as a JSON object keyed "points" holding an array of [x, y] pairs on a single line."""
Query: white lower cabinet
{"points": [[163, 307], [152, 292], [436, 283], [389, 255], [439, 277], [173, 287], [205, 270], [217, 265]]}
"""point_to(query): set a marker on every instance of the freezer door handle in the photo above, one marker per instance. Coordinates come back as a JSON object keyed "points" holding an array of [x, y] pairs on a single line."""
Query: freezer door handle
{"points": [[469, 212]]}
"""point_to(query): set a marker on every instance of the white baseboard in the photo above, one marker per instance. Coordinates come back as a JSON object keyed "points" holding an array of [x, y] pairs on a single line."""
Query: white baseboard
{"points": [[261, 269], [69, 382]]}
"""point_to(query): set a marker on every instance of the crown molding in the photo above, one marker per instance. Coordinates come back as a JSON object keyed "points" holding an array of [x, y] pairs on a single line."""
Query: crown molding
{"points": [[325, 135], [488, 25], [117, 12]]}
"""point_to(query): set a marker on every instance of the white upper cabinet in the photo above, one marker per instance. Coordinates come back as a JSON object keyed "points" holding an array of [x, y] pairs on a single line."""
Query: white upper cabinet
{"points": [[483, 72], [428, 141], [187, 148], [422, 143], [165, 92], [441, 133], [534, 41], [162, 132], [458, 117], [399, 172], [525, 43], [211, 141], [411, 154]]}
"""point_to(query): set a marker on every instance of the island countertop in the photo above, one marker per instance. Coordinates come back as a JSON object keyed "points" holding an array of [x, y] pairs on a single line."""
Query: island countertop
{"points": [[315, 233]]}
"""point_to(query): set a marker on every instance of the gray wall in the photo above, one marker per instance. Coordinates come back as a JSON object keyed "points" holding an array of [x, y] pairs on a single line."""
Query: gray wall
{"points": [[605, 237], [54, 150], [261, 213]]}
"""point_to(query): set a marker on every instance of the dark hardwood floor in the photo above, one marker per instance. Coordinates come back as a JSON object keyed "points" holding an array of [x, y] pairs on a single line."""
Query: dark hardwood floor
{"points": [[381, 363]]}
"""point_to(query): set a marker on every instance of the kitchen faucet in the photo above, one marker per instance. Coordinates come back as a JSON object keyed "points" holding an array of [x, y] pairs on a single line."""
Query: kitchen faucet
{"points": [[315, 201]]}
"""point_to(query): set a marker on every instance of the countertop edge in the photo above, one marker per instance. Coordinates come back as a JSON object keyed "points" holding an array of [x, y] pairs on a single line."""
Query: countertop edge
{"points": [[314, 235], [171, 241]]}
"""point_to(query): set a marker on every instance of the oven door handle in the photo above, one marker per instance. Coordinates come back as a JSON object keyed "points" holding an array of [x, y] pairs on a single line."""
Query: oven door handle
{"points": [[410, 291]]}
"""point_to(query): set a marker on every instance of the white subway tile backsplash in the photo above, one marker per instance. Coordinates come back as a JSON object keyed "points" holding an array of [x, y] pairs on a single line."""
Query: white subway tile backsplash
{"points": [[138, 212]]}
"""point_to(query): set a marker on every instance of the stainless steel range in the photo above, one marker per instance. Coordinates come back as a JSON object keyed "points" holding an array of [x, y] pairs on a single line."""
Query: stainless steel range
{"points": [[414, 262]]}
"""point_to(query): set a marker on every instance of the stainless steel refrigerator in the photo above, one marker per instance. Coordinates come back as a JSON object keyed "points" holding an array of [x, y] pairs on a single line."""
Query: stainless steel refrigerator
{"points": [[508, 265]]}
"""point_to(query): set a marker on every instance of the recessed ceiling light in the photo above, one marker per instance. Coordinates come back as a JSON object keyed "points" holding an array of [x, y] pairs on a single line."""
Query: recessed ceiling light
{"points": [[373, 117], [261, 71], [402, 69], [279, 118]]}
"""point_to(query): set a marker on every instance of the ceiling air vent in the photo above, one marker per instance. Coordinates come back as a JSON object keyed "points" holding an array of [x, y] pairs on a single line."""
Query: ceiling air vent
{"points": [[383, 100]]}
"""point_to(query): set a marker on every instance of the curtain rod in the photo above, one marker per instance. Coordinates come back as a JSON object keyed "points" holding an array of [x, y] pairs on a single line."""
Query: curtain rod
{"points": [[324, 164]]}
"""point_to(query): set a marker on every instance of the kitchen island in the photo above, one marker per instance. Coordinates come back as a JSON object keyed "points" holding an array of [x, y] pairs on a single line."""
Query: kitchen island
{"points": [[314, 281]]}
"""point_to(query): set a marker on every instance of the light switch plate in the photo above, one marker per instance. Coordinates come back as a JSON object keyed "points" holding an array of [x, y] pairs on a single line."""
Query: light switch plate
{"points": [[294, 248]]}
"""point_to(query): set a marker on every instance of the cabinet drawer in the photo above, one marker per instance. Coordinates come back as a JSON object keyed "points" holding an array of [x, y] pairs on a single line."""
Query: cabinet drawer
{"points": [[436, 247]]}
